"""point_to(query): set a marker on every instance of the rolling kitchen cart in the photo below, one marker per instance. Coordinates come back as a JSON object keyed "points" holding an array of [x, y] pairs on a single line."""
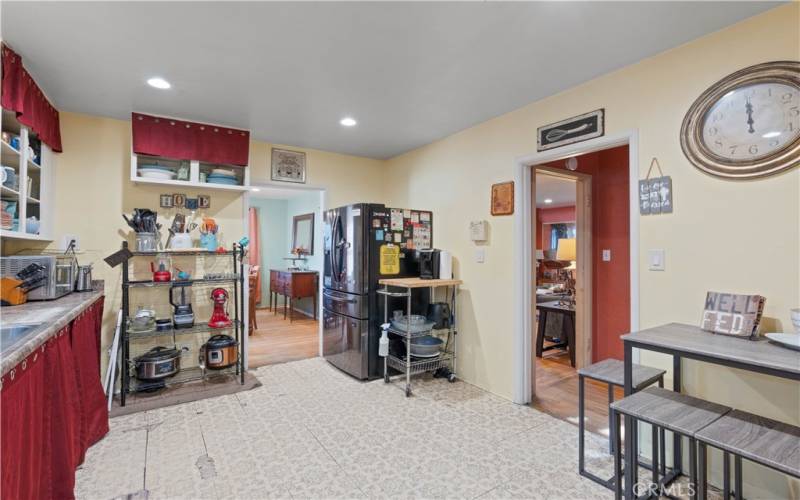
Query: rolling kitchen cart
{"points": [[217, 274], [409, 365]]}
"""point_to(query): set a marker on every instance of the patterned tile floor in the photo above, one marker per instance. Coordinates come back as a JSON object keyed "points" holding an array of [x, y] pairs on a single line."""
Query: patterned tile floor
{"points": [[311, 431]]}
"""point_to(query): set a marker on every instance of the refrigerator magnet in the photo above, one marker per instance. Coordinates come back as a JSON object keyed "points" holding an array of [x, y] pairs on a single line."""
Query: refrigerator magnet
{"points": [[398, 237], [379, 235]]}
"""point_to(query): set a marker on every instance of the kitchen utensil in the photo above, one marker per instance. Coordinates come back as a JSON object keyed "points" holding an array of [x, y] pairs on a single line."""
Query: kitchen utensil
{"points": [[417, 324], [220, 351], [208, 241], [145, 242], [163, 324], [162, 274], [425, 347], [14, 291], [439, 313], [223, 171], [84, 281], [181, 241], [157, 363], [143, 321], [60, 273], [429, 264], [795, 315], [788, 340], [219, 318], [183, 315], [10, 177]]}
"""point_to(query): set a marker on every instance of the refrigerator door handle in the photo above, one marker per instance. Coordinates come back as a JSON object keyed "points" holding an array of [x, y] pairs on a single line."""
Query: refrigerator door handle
{"points": [[339, 299], [334, 249]]}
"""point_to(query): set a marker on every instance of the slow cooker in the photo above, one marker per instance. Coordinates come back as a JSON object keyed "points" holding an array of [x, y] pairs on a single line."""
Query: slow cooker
{"points": [[220, 351], [157, 363]]}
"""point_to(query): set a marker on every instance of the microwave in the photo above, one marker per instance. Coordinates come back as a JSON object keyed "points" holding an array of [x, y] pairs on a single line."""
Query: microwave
{"points": [[61, 271]]}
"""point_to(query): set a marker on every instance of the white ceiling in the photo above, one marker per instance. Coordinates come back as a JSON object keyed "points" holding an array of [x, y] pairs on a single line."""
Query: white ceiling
{"points": [[410, 73], [558, 189]]}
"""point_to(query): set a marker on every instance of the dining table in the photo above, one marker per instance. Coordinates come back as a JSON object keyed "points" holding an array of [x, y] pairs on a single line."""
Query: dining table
{"points": [[683, 341]]}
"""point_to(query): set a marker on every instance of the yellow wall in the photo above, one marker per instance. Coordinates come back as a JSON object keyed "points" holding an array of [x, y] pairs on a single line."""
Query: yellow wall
{"points": [[93, 189], [723, 235]]}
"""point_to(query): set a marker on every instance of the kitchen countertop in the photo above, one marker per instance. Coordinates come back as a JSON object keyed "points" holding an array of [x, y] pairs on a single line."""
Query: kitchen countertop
{"points": [[53, 314]]}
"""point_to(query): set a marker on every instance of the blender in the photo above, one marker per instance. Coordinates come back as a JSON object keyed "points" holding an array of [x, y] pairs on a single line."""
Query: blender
{"points": [[183, 315]]}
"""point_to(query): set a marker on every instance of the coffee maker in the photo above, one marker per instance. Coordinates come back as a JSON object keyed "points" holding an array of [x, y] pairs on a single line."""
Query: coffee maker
{"points": [[183, 315], [429, 264]]}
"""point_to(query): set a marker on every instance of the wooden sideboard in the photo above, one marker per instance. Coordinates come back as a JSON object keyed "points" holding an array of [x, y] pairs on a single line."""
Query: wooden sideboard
{"points": [[292, 285]]}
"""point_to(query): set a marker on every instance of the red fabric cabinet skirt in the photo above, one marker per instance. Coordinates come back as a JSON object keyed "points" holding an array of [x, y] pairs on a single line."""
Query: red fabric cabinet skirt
{"points": [[52, 408]]}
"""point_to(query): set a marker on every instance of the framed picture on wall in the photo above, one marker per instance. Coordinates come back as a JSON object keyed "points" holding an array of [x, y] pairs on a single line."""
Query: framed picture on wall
{"points": [[288, 166], [503, 198]]}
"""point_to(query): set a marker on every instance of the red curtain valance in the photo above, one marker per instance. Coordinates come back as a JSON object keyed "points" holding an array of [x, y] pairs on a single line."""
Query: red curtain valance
{"points": [[25, 98], [159, 136]]}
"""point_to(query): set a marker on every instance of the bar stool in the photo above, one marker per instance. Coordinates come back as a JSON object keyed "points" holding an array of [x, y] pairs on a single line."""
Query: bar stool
{"points": [[611, 372], [767, 442], [679, 413]]}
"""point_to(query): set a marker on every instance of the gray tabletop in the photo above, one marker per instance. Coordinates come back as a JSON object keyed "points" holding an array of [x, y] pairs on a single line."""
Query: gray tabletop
{"points": [[692, 341]]}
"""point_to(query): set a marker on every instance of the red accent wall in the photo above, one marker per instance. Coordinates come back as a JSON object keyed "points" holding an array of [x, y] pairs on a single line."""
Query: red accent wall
{"points": [[548, 215], [610, 230]]}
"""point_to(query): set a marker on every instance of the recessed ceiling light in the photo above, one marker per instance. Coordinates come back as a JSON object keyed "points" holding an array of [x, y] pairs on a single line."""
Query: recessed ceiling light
{"points": [[158, 83], [548, 201], [255, 189], [770, 135], [348, 121]]}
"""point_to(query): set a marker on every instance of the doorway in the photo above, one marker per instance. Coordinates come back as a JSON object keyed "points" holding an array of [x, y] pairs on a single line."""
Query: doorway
{"points": [[285, 264], [583, 297], [525, 256]]}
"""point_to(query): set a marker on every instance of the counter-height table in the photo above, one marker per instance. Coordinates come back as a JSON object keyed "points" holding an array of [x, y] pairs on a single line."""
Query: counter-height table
{"points": [[691, 342]]}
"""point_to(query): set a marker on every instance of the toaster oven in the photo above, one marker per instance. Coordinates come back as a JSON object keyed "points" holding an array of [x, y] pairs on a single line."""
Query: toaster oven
{"points": [[60, 273]]}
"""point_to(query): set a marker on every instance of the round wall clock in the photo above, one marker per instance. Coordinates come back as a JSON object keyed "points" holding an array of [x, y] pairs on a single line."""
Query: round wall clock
{"points": [[746, 125]]}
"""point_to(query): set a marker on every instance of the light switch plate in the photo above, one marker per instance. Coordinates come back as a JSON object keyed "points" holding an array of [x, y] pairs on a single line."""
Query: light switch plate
{"points": [[656, 259], [480, 255], [606, 255]]}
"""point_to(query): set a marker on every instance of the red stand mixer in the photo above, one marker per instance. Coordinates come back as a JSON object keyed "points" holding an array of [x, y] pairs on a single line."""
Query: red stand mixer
{"points": [[219, 318]]}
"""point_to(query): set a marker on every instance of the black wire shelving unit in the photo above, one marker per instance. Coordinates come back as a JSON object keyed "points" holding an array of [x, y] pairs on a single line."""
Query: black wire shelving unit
{"points": [[232, 280]]}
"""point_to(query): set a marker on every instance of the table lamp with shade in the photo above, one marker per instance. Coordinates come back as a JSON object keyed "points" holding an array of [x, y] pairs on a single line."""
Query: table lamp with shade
{"points": [[566, 250]]}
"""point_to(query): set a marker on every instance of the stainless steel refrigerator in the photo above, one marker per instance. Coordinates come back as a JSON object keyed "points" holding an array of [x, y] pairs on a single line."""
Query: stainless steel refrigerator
{"points": [[354, 238]]}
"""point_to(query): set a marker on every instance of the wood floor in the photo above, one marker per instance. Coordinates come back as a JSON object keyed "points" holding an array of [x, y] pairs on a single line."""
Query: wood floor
{"points": [[557, 393], [278, 341]]}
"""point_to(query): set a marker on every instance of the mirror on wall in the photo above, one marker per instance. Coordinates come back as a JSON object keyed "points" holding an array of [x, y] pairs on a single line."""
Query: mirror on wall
{"points": [[303, 233], [551, 233]]}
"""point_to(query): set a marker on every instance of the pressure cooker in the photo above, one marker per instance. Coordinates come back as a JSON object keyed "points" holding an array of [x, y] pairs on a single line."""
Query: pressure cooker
{"points": [[220, 351], [157, 363]]}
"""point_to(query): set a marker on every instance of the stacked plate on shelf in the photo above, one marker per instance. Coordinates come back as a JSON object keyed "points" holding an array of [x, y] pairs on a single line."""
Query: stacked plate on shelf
{"points": [[222, 176], [156, 172]]}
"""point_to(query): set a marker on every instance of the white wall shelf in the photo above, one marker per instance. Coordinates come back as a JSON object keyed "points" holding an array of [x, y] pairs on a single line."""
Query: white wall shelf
{"points": [[195, 169], [33, 190]]}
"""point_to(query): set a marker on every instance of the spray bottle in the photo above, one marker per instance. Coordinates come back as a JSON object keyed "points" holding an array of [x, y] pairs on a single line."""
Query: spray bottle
{"points": [[383, 343]]}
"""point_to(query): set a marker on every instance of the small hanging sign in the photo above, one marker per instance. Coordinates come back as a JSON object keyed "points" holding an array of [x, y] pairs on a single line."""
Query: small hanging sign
{"points": [[655, 193]]}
